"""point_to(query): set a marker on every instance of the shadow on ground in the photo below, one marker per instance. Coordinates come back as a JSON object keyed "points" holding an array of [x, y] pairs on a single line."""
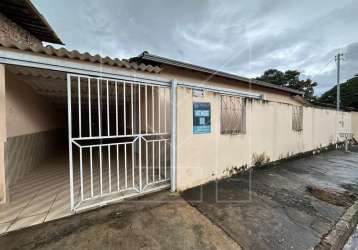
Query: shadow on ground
{"points": [[271, 207]]}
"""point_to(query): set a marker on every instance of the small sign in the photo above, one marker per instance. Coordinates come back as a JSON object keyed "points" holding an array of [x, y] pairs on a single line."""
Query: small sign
{"points": [[201, 118], [198, 93]]}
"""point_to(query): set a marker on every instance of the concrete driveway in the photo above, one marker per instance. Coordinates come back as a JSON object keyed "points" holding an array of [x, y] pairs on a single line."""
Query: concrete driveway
{"points": [[270, 207]]}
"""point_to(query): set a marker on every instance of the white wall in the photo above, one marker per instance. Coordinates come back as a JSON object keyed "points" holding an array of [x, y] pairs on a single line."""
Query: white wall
{"points": [[205, 157]]}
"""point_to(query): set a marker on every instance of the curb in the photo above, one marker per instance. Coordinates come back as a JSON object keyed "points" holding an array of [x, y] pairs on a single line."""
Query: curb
{"points": [[340, 233]]}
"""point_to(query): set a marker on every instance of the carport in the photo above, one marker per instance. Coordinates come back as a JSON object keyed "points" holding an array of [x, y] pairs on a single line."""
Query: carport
{"points": [[107, 138]]}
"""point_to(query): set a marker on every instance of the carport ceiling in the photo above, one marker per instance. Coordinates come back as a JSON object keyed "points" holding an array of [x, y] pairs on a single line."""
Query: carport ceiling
{"points": [[53, 86], [50, 84]]}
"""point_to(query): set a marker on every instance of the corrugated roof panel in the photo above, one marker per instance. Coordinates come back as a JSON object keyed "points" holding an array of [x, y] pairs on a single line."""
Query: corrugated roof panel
{"points": [[75, 55]]}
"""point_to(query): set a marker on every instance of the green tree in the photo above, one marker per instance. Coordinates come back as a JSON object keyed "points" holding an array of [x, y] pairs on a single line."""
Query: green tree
{"points": [[349, 94], [290, 79]]}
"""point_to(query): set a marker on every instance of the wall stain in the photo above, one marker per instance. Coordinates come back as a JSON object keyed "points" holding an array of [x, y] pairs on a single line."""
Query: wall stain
{"points": [[260, 159], [235, 170]]}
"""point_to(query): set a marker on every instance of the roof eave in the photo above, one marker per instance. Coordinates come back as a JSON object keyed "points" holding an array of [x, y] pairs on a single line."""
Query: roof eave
{"points": [[55, 38], [158, 59], [62, 53], [24, 14]]}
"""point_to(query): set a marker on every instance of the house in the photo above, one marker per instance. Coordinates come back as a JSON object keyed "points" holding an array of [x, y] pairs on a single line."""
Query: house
{"points": [[79, 130]]}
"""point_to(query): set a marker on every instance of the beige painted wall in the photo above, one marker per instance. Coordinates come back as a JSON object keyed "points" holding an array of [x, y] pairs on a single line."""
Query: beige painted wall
{"points": [[27, 112], [355, 124], [205, 157]]}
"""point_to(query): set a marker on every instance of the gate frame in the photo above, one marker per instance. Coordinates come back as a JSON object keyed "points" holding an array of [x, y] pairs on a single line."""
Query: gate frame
{"points": [[139, 136]]}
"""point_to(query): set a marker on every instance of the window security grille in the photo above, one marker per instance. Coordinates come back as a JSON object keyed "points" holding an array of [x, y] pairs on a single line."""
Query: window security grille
{"points": [[233, 115], [297, 118]]}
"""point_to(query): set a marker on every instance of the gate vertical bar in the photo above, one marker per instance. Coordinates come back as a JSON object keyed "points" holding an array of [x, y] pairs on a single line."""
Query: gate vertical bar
{"points": [[165, 160], [117, 168], [116, 96], [125, 166], [99, 109], [153, 109], [69, 114], [81, 173], [89, 108], [153, 162], [165, 110], [79, 107], [159, 153], [91, 169], [146, 109], [146, 131], [133, 165], [159, 121], [90, 131], [132, 111], [124, 110], [139, 112], [109, 170], [139, 140], [146, 162], [108, 125], [140, 162], [100, 169], [173, 135]]}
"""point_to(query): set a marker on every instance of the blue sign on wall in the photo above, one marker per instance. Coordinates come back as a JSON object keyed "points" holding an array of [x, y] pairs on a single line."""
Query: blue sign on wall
{"points": [[201, 118]]}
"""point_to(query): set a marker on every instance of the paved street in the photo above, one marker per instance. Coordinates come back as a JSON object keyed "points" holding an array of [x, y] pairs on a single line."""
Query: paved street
{"points": [[275, 211]]}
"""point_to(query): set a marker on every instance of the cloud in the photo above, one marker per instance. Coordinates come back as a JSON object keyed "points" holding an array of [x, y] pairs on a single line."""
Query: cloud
{"points": [[245, 37]]}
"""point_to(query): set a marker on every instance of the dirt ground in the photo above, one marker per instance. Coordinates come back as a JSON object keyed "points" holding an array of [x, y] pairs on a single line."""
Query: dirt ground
{"points": [[273, 208], [160, 221]]}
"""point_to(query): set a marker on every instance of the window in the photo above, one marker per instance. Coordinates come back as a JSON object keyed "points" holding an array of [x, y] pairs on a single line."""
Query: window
{"points": [[297, 118], [233, 115]]}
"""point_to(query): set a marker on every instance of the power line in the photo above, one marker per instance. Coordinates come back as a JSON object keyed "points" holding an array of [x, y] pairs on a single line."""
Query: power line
{"points": [[325, 66]]}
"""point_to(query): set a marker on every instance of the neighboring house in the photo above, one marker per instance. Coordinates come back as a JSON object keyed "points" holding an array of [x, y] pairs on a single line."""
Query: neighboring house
{"points": [[78, 131]]}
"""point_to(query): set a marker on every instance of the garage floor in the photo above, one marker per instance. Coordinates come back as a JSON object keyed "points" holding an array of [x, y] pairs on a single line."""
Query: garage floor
{"points": [[41, 196], [44, 194]]}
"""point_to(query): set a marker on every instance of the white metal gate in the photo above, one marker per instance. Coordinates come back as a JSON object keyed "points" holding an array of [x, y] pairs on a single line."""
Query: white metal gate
{"points": [[119, 138]]}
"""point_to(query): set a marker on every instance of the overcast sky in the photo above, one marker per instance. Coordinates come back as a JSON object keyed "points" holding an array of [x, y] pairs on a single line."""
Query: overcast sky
{"points": [[244, 37]]}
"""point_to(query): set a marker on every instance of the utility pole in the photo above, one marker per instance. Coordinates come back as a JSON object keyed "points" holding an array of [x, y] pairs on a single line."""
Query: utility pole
{"points": [[338, 58]]}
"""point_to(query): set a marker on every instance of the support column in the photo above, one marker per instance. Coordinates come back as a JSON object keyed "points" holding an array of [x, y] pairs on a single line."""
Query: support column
{"points": [[3, 189], [173, 148]]}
